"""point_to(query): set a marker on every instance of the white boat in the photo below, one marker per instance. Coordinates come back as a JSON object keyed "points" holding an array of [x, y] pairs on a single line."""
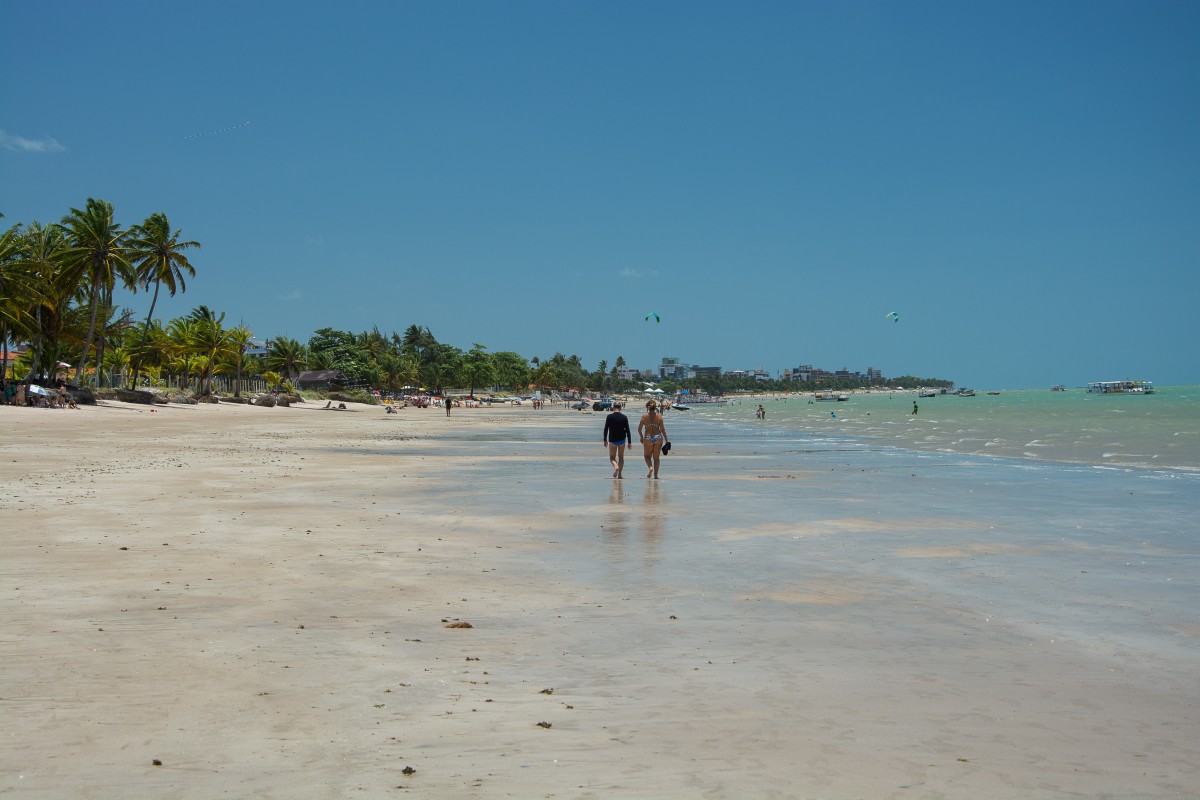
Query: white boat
{"points": [[700, 398], [831, 398], [965, 393], [927, 393], [1120, 387], [679, 407], [1058, 388]]}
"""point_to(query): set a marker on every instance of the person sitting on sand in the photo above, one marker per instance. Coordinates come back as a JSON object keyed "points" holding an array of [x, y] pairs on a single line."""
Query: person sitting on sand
{"points": [[653, 434]]}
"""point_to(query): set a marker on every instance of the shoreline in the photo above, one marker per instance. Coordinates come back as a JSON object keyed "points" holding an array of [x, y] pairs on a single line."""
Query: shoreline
{"points": [[259, 599]]}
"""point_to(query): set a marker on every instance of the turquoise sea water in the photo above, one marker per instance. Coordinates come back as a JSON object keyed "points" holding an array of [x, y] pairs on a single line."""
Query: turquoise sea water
{"points": [[1158, 431]]}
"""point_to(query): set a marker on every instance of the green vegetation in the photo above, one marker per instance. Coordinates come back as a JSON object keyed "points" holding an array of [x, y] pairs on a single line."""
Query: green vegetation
{"points": [[56, 296]]}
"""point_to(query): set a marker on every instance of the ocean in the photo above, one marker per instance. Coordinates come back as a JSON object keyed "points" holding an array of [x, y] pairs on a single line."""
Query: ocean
{"points": [[999, 501], [1159, 431]]}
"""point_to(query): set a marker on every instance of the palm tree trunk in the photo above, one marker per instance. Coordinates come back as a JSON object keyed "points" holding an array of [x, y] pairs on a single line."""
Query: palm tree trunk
{"points": [[145, 330], [87, 344], [103, 338], [37, 341]]}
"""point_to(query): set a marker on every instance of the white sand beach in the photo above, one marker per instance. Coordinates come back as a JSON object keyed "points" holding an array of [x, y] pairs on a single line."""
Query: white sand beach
{"points": [[223, 600]]}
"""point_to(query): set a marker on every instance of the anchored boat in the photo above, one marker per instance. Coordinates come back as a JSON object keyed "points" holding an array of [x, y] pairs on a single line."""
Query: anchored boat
{"points": [[1120, 387]]}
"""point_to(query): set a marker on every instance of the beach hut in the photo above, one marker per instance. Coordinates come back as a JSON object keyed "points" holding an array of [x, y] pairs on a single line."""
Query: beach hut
{"points": [[321, 379]]}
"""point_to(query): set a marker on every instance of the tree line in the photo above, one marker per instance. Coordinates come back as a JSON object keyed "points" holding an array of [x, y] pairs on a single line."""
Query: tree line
{"points": [[56, 296]]}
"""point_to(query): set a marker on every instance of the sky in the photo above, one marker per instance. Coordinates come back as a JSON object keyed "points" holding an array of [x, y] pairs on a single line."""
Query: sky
{"points": [[1019, 181]]}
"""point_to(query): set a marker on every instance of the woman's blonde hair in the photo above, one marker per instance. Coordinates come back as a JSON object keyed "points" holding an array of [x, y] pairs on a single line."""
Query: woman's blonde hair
{"points": [[650, 404]]}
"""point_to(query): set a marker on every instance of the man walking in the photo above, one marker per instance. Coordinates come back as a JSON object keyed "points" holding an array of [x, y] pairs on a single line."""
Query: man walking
{"points": [[618, 438]]}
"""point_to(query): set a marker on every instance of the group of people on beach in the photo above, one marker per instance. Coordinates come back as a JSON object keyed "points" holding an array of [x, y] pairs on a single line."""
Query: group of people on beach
{"points": [[652, 432], [24, 393]]}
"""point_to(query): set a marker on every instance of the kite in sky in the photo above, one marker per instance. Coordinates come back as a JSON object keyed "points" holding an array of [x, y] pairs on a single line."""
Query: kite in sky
{"points": [[654, 314], [893, 316]]}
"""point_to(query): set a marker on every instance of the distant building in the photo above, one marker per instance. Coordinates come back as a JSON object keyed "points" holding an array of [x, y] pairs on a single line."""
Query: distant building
{"points": [[672, 369], [758, 374]]}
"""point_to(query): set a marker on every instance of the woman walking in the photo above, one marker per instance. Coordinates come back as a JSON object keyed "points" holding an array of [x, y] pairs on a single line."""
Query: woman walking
{"points": [[653, 434]]}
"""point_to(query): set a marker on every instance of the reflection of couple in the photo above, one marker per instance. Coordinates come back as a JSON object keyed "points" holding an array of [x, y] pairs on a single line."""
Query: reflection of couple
{"points": [[651, 514]]}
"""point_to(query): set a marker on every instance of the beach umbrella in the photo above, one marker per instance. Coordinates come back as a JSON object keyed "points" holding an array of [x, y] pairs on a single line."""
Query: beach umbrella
{"points": [[35, 389]]}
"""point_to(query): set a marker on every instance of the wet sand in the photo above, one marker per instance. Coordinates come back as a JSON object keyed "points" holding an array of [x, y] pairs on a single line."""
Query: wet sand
{"points": [[233, 601]]}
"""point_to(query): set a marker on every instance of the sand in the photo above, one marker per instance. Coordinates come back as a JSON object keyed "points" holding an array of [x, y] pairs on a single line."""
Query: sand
{"points": [[224, 600]]}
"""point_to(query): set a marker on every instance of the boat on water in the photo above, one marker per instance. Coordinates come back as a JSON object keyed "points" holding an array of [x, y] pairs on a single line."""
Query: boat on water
{"points": [[831, 398], [689, 399], [965, 393], [927, 393], [679, 407], [1120, 387], [1058, 387], [993, 393]]}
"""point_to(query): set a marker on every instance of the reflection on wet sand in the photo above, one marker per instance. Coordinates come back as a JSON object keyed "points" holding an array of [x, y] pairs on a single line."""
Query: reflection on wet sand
{"points": [[614, 521], [651, 513]]}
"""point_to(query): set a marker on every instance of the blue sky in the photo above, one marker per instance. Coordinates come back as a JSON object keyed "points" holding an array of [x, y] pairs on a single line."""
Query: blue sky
{"points": [[1019, 180]]}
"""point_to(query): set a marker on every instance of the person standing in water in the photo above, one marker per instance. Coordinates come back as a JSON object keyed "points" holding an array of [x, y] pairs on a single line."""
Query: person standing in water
{"points": [[653, 434], [914, 407], [617, 438]]}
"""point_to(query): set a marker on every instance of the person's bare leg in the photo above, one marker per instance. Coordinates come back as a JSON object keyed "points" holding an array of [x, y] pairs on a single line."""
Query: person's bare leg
{"points": [[613, 454]]}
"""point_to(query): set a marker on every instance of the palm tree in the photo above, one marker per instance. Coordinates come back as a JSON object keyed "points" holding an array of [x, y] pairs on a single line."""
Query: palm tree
{"points": [[114, 327], [180, 333], [43, 252], [410, 371], [210, 341], [239, 339], [155, 352], [420, 342], [97, 254], [272, 379], [547, 374], [157, 256], [373, 344], [18, 293], [286, 356]]}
